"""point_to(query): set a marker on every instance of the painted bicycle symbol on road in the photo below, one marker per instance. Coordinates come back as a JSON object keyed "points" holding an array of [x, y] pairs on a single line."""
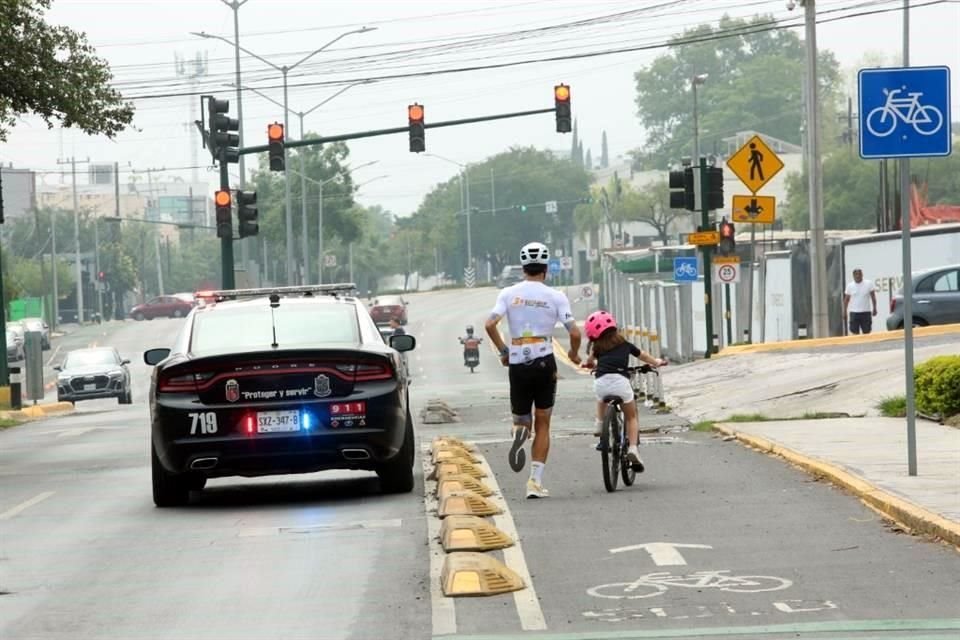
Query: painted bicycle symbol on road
{"points": [[925, 119], [654, 584]]}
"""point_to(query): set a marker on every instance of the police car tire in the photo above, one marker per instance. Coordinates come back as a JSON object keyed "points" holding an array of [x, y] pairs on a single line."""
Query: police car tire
{"points": [[396, 476], [169, 490]]}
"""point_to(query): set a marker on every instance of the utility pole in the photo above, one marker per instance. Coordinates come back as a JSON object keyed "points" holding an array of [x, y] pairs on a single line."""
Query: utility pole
{"points": [[4, 371], [818, 258], [303, 210], [53, 250], [96, 266], [466, 180], [156, 246], [908, 278], [707, 253], [76, 234]]}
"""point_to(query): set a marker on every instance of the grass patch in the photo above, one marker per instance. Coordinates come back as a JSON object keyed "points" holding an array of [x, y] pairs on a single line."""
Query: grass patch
{"points": [[707, 425], [749, 417], [703, 425], [6, 423], [893, 407]]}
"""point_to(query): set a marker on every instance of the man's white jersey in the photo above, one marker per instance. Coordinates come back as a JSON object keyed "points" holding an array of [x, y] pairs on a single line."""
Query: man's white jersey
{"points": [[532, 310]]}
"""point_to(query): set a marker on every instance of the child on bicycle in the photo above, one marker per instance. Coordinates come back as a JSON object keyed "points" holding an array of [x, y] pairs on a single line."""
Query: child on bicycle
{"points": [[608, 355]]}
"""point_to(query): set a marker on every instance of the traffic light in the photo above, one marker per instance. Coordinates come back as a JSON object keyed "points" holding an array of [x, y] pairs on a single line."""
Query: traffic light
{"points": [[418, 138], [715, 188], [220, 139], [223, 201], [275, 146], [101, 276], [247, 214], [522, 208], [728, 242], [681, 190], [561, 102]]}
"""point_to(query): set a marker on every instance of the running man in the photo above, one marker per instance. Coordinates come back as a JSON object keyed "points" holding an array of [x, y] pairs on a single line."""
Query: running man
{"points": [[532, 309]]}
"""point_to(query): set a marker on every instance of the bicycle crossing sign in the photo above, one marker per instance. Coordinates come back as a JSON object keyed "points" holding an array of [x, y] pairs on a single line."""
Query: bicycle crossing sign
{"points": [[904, 112], [553, 266], [685, 269], [755, 164], [755, 209]]}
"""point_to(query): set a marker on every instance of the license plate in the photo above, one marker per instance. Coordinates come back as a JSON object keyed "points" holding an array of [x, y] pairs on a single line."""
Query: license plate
{"points": [[90, 386], [278, 421]]}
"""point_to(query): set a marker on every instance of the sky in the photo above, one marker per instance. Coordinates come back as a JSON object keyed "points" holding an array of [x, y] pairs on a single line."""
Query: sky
{"points": [[142, 39]]}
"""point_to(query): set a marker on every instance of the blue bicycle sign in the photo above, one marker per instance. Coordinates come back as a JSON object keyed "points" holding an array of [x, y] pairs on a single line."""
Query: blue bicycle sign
{"points": [[685, 270], [904, 112]]}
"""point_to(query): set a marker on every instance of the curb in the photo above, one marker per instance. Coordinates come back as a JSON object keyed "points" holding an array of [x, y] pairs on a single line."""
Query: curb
{"points": [[39, 411], [901, 511], [883, 336]]}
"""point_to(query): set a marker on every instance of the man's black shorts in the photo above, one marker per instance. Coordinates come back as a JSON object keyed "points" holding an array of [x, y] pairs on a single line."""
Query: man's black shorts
{"points": [[533, 385], [860, 322]]}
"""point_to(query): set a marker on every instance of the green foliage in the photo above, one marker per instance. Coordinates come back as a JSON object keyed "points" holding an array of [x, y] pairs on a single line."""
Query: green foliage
{"points": [[23, 278], [754, 83], [53, 72], [938, 386], [893, 406], [851, 189], [624, 204]]}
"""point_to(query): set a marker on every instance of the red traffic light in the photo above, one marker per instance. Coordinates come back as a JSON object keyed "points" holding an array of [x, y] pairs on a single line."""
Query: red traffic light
{"points": [[726, 229], [275, 132], [415, 113], [222, 198], [561, 93]]}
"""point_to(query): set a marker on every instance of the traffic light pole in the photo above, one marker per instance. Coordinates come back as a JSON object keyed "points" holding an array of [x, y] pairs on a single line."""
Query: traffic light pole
{"points": [[226, 244], [727, 314], [707, 255]]}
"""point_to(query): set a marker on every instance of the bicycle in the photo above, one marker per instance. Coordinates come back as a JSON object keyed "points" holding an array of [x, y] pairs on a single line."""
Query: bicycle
{"points": [[925, 119], [613, 435]]}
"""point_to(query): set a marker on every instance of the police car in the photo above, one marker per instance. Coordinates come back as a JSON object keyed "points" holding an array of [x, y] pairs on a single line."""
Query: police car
{"points": [[278, 381]]}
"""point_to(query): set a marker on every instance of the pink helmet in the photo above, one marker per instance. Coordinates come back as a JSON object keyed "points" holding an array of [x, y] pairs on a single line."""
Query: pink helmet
{"points": [[598, 322]]}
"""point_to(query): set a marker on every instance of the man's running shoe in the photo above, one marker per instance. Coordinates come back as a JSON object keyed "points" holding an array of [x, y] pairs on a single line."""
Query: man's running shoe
{"points": [[633, 456], [535, 490], [518, 457]]}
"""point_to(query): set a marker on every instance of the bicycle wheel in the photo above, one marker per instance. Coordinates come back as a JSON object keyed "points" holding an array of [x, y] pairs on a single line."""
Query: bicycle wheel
{"points": [[610, 447], [885, 124], [931, 121], [627, 471]]}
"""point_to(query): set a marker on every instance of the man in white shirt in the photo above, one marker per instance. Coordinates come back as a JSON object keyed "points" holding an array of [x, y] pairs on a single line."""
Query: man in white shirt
{"points": [[532, 309], [860, 303]]}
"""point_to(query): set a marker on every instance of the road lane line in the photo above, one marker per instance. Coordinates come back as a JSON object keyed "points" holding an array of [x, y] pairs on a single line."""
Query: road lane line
{"points": [[23, 506], [526, 601], [73, 433], [443, 611], [53, 356]]}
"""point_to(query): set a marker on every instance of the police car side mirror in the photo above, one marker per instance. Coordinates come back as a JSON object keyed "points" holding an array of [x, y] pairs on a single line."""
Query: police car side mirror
{"points": [[403, 343], [153, 357]]}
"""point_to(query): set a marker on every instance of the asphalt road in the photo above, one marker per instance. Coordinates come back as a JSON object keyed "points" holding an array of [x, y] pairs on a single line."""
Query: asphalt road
{"points": [[84, 554]]}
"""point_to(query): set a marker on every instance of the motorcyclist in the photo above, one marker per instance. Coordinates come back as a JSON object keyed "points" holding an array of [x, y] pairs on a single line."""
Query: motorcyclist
{"points": [[471, 344]]}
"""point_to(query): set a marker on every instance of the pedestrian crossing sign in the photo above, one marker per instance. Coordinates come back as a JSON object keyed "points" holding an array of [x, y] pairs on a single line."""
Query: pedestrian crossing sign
{"points": [[755, 164]]}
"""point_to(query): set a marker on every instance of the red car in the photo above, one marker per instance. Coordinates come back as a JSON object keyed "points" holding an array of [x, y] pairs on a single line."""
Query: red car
{"points": [[162, 307], [384, 308]]}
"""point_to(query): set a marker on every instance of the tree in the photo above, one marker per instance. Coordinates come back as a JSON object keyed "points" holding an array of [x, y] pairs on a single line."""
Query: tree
{"points": [[53, 72], [604, 152], [754, 83], [580, 158], [588, 161], [652, 205], [575, 144]]}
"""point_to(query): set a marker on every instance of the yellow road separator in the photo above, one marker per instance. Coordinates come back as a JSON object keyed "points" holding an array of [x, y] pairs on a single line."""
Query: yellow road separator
{"points": [[467, 503], [451, 483], [883, 336], [449, 453], [449, 441], [476, 574], [471, 533], [456, 468]]}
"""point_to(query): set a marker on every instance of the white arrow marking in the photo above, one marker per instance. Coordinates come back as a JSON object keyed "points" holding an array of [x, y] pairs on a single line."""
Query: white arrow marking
{"points": [[664, 554]]}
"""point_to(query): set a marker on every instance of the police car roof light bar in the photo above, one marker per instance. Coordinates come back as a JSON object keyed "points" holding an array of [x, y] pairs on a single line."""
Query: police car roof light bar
{"points": [[305, 290]]}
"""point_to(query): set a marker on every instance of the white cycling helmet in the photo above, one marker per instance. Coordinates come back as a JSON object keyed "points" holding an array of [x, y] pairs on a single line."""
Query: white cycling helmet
{"points": [[534, 253]]}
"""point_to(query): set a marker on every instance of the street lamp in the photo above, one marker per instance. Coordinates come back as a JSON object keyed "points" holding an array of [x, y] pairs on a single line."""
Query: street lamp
{"points": [[303, 199], [694, 81], [466, 181], [285, 69]]}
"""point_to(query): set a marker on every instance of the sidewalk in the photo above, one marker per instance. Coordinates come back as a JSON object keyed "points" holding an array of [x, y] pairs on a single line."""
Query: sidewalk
{"points": [[868, 457]]}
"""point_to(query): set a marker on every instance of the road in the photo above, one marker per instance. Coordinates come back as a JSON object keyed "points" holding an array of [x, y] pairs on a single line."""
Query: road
{"points": [[84, 554]]}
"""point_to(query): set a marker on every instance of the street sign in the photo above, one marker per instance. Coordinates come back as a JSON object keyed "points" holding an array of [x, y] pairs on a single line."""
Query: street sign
{"points": [[551, 206], [904, 112], [726, 272], [558, 253], [703, 237], [685, 269], [566, 263], [469, 277], [330, 260], [755, 164], [553, 266], [592, 254], [586, 292], [755, 209]]}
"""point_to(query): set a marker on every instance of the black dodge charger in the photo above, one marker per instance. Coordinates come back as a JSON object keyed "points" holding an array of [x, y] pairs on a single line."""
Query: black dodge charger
{"points": [[277, 381]]}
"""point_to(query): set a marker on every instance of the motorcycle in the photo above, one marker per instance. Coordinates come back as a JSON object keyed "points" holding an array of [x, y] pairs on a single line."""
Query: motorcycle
{"points": [[471, 353]]}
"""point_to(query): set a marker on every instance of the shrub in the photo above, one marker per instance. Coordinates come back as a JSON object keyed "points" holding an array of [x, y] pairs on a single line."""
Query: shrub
{"points": [[938, 386]]}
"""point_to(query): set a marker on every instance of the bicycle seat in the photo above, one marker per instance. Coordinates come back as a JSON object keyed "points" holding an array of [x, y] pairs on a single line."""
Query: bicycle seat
{"points": [[612, 399]]}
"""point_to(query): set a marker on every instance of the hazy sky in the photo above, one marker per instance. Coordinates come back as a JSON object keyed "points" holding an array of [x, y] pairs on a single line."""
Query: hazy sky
{"points": [[141, 38]]}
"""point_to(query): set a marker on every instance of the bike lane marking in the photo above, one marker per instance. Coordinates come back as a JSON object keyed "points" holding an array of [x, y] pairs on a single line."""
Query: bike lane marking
{"points": [[26, 504], [663, 553], [443, 609]]}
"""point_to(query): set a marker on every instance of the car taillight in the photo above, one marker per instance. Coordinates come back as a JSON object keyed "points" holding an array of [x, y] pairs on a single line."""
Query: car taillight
{"points": [[367, 371], [182, 383], [893, 304]]}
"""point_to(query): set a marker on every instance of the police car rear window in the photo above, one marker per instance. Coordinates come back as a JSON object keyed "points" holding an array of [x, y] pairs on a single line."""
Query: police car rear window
{"points": [[252, 328]]}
